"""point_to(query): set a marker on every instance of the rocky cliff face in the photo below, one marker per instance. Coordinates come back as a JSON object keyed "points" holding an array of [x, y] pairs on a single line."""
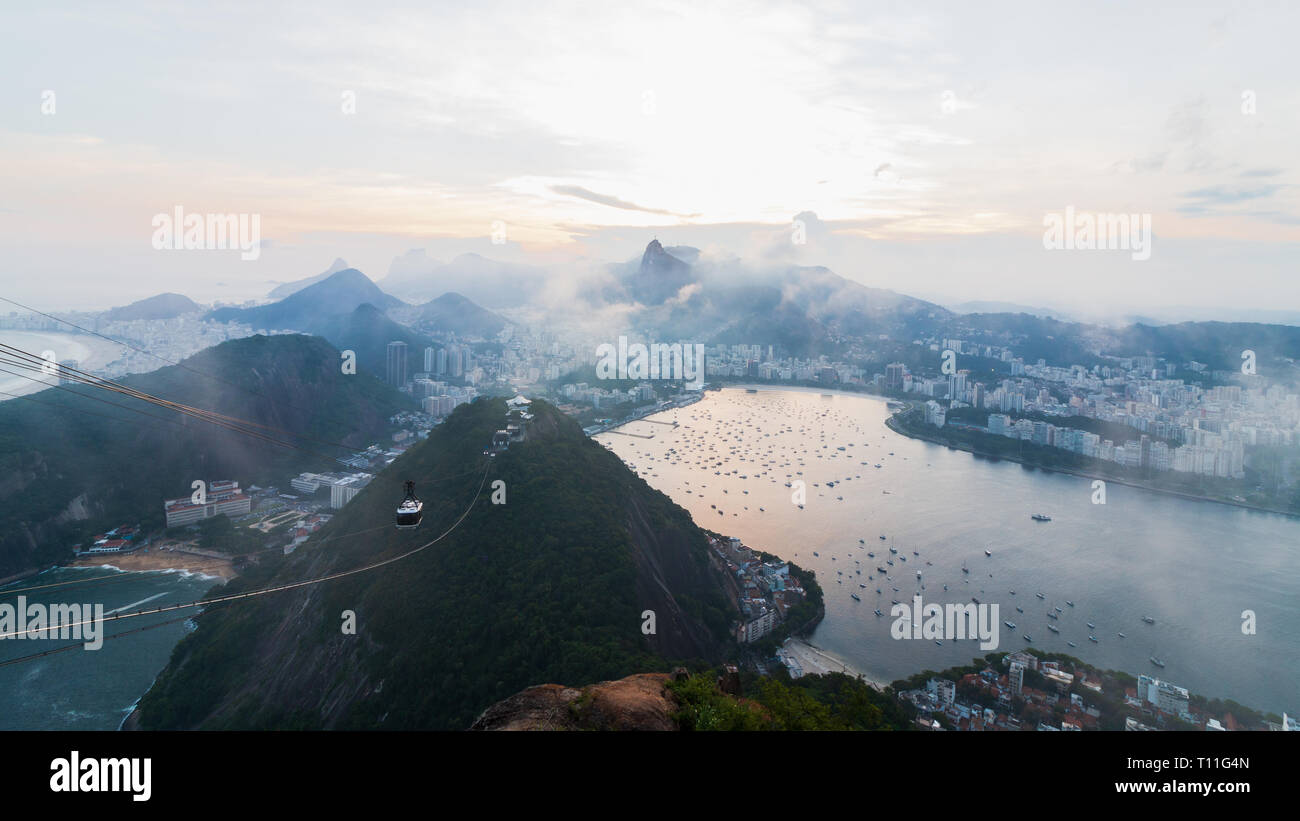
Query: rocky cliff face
{"points": [[638, 702]]}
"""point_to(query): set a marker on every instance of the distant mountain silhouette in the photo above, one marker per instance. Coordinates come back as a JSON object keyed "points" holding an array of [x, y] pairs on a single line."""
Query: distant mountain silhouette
{"points": [[340, 293], [161, 306], [287, 288], [367, 332], [488, 282], [799, 309], [456, 314]]}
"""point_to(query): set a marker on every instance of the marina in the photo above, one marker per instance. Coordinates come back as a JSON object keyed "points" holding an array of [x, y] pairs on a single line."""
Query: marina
{"points": [[955, 509]]}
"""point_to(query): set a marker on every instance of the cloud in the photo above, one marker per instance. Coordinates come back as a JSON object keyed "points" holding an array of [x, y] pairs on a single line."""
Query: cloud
{"points": [[1219, 201], [613, 202]]}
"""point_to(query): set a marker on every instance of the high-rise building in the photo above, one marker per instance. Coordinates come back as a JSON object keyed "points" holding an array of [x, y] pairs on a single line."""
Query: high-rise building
{"points": [[68, 363], [1017, 678], [455, 360], [430, 359], [396, 364], [894, 375]]}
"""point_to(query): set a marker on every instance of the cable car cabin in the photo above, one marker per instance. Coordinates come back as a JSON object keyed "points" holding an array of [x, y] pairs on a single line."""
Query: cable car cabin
{"points": [[410, 511]]}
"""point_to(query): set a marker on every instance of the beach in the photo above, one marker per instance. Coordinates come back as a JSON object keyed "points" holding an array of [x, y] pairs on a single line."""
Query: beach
{"points": [[90, 353], [161, 559], [815, 661]]}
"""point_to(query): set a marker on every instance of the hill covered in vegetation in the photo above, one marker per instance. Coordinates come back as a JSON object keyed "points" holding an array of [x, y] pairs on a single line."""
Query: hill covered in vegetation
{"points": [[550, 585], [75, 460]]}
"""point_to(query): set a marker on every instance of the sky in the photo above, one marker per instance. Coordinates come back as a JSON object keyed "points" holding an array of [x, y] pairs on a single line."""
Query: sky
{"points": [[913, 146]]}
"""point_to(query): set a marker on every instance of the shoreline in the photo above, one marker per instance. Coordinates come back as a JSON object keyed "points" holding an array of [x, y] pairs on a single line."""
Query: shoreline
{"points": [[177, 560], [890, 423], [816, 661]]}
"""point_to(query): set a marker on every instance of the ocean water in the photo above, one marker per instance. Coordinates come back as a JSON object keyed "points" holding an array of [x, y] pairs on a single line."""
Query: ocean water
{"points": [[90, 352], [84, 689], [1194, 567]]}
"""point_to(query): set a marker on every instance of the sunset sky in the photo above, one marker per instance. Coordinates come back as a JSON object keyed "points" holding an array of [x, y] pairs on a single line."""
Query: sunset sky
{"points": [[923, 143]]}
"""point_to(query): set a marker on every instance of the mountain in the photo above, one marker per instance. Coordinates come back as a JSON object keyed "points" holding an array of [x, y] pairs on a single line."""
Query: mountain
{"points": [[72, 466], [339, 293], [285, 289], [367, 332], [489, 282], [989, 307], [453, 313], [161, 306], [549, 585], [803, 310], [660, 275]]}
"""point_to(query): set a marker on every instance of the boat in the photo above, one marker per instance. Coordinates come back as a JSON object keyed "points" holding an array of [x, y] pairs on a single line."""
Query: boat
{"points": [[1027, 638], [1157, 662], [1011, 625], [1148, 620], [965, 570], [1020, 609], [936, 641], [882, 537], [893, 550], [1053, 628], [1093, 626], [1072, 644], [1040, 595], [1069, 603], [988, 552], [1092, 639], [1121, 635], [972, 598], [878, 613], [1039, 517], [856, 597], [1052, 616]]}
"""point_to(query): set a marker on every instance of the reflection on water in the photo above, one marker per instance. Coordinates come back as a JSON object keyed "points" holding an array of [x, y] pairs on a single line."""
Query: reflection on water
{"points": [[1192, 567]]}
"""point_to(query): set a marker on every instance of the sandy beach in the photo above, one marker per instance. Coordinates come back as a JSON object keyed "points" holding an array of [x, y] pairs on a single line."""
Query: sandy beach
{"points": [[816, 661], [90, 352], [157, 559]]}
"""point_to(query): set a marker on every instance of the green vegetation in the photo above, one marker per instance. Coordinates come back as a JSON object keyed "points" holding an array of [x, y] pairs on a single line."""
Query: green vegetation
{"points": [[828, 702], [548, 587], [73, 466], [219, 533]]}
